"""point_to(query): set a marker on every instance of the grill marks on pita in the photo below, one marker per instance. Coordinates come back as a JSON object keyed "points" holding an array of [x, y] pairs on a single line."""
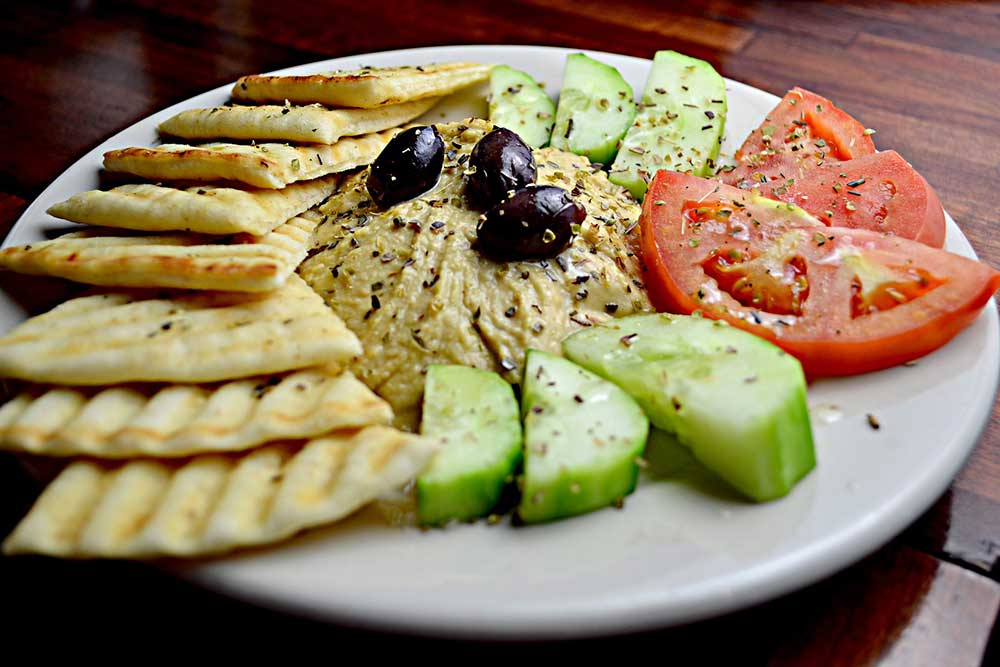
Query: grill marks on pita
{"points": [[211, 504], [226, 417], [125, 421], [313, 124], [367, 88], [242, 263], [261, 165], [142, 336], [206, 209]]}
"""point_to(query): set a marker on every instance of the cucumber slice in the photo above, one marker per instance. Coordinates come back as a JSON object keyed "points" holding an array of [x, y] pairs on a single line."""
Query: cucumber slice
{"points": [[596, 108], [665, 456], [582, 438], [474, 415], [736, 400], [679, 126], [519, 104]]}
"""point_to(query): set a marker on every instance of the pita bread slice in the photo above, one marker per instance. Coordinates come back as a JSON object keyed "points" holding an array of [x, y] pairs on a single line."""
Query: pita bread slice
{"points": [[145, 336], [206, 209], [180, 420], [365, 88], [212, 504], [261, 165], [313, 124], [241, 263]]}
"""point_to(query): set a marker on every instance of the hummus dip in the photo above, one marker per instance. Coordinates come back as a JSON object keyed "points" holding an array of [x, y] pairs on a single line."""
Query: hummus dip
{"points": [[410, 283]]}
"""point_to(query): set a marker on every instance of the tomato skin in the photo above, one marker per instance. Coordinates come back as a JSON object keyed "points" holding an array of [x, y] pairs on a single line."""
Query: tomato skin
{"points": [[822, 358], [825, 338], [802, 131], [935, 228], [912, 210]]}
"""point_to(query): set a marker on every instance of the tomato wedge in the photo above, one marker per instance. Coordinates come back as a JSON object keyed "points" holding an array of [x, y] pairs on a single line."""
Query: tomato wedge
{"points": [[881, 192], [841, 300], [802, 132]]}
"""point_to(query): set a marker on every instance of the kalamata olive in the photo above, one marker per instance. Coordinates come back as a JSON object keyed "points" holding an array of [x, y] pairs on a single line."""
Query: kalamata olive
{"points": [[407, 167], [534, 223], [502, 163]]}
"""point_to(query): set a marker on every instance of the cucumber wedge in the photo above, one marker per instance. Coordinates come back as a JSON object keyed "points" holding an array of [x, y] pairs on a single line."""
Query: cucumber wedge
{"points": [[519, 104], [736, 400], [596, 108], [679, 126], [582, 438], [474, 415], [665, 456]]}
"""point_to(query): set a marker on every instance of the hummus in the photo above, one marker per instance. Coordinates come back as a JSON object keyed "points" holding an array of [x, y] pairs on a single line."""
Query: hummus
{"points": [[410, 283]]}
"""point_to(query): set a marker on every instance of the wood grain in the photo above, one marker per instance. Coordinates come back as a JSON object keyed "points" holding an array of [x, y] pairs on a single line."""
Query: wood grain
{"points": [[904, 609], [924, 74], [10, 210]]}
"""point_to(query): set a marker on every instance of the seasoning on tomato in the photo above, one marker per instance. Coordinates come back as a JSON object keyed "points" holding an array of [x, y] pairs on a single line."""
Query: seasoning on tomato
{"points": [[802, 132], [841, 300], [881, 192]]}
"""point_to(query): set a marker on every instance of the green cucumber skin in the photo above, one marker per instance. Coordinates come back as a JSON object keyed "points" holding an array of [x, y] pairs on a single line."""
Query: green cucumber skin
{"points": [[579, 455], [476, 417], [560, 499], [665, 456], [743, 414], [664, 125], [596, 108], [519, 104]]}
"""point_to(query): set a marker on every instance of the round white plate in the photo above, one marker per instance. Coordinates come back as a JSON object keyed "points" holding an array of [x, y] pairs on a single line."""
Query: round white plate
{"points": [[678, 551]]}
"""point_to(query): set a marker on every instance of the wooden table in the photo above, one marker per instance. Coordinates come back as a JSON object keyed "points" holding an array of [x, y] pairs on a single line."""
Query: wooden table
{"points": [[926, 75]]}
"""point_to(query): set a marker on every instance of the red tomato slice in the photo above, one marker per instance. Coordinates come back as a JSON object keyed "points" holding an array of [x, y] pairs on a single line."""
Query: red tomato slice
{"points": [[841, 300], [803, 131], [881, 192]]}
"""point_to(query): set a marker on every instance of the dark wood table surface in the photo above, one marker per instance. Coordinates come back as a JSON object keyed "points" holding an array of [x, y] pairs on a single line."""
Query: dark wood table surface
{"points": [[927, 75]]}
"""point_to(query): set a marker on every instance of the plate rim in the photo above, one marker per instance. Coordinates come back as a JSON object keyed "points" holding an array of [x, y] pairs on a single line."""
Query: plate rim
{"points": [[765, 581]]}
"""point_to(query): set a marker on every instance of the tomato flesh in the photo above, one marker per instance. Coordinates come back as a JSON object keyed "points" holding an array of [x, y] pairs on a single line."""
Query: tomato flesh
{"points": [[841, 300], [890, 286], [802, 132], [881, 192], [773, 281]]}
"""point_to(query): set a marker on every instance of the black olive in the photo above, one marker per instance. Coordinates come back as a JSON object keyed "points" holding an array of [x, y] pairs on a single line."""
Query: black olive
{"points": [[534, 223], [407, 167], [502, 163]]}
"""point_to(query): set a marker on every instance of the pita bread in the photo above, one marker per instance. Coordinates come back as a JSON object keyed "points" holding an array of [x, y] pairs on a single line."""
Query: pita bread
{"points": [[261, 165], [212, 504], [365, 88], [312, 124], [180, 420], [146, 336], [241, 263], [206, 209]]}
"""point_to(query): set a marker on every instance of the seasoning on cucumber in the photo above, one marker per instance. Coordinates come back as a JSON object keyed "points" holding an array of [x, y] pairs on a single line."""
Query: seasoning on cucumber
{"points": [[583, 437], [679, 125], [596, 108], [738, 401], [519, 104], [474, 415]]}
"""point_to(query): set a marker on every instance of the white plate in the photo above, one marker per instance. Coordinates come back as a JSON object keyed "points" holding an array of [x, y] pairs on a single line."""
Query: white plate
{"points": [[676, 552]]}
